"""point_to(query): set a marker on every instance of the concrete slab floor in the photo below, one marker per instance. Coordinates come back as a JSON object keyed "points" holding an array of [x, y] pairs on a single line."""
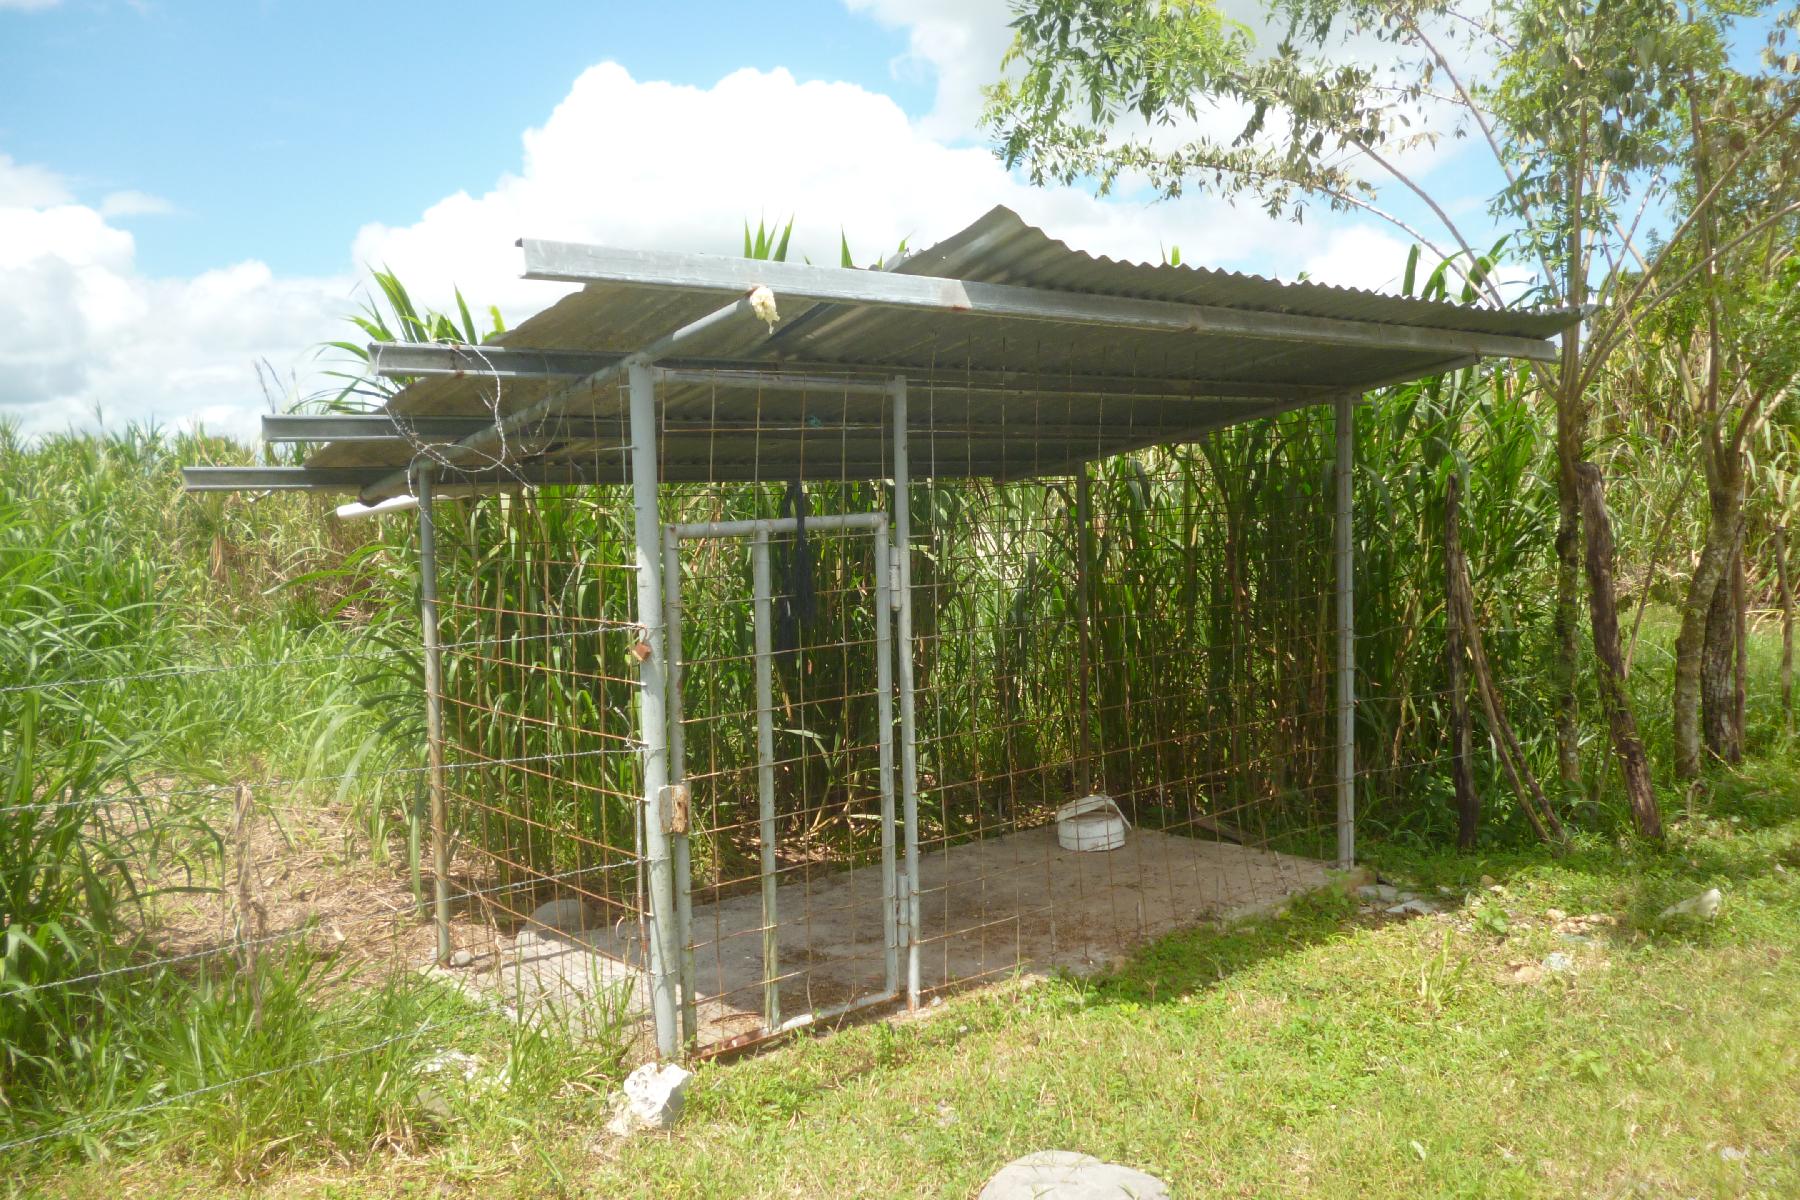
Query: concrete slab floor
{"points": [[1015, 902]]}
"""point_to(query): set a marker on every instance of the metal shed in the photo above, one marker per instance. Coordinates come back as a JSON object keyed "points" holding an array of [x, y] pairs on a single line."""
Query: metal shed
{"points": [[769, 426]]}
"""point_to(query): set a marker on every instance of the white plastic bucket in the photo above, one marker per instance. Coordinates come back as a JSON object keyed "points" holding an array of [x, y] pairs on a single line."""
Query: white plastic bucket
{"points": [[1091, 823]]}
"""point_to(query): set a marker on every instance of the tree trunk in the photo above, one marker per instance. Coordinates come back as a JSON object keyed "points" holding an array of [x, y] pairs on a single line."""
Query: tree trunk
{"points": [[1634, 767], [1718, 660], [1786, 584], [1690, 644], [1740, 638], [1571, 446], [1468, 801]]}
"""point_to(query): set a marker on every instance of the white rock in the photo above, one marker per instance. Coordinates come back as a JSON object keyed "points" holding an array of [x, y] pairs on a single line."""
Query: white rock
{"points": [[1379, 891], [564, 916], [1556, 962], [1705, 906], [1414, 908], [461, 958], [652, 1098], [1062, 1175], [455, 1062]]}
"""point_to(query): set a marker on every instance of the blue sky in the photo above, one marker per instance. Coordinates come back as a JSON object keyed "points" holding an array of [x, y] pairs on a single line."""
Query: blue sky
{"points": [[274, 129]]}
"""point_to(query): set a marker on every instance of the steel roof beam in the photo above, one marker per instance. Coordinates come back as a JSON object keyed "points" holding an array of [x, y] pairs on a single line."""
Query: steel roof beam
{"points": [[575, 263], [421, 360], [388, 427], [490, 443], [414, 431], [463, 483]]}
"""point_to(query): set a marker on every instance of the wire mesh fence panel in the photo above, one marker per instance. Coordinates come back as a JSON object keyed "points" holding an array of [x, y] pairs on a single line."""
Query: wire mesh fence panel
{"points": [[786, 739], [1136, 635], [543, 770]]}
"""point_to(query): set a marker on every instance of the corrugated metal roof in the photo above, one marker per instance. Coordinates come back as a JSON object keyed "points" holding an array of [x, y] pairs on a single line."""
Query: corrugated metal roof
{"points": [[737, 431]]}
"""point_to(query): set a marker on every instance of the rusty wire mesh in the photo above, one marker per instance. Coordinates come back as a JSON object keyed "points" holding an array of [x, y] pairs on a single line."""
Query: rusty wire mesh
{"points": [[1187, 676]]}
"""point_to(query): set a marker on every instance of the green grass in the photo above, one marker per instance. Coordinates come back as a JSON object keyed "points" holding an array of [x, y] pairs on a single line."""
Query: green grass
{"points": [[1324, 1052], [1319, 1054]]}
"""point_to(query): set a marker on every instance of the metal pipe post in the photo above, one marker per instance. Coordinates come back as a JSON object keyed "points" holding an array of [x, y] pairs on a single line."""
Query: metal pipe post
{"points": [[1084, 557], [762, 589], [434, 712], [1346, 632], [652, 708], [683, 861], [884, 720], [909, 740]]}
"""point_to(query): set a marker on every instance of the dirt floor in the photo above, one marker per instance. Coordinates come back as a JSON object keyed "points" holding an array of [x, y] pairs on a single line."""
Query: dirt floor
{"points": [[1018, 902]]}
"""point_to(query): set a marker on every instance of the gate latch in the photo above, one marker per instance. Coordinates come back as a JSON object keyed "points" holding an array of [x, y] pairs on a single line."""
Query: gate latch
{"points": [[894, 577], [675, 808]]}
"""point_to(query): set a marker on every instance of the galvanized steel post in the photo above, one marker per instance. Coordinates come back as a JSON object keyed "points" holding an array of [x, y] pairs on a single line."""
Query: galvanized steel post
{"points": [[909, 743], [652, 709], [434, 711], [1342, 530], [762, 587], [682, 860], [885, 609]]}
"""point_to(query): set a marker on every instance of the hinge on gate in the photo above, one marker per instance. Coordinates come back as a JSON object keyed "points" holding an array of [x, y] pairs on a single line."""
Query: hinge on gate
{"points": [[674, 805], [894, 578]]}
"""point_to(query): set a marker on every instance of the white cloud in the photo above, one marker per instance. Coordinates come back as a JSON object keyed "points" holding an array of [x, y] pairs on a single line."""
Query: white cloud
{"points": [[1361, 257], [83, 332], [957, 42], [657, 165], [28, 186], [130, 203]]}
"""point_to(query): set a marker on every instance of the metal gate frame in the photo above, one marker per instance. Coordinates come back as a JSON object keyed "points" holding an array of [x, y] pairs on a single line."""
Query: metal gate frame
{"points": [[661, 845], [896, 917]]}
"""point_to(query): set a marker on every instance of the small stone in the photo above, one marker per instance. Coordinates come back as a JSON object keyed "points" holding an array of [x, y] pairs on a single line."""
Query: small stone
{"points": [[461, 958], [1556, 962], [1732, 1154], [1379, 891], [1062, 1175], [652, 1098], [1704, 907], [1555, 914], [1488, 881]]}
